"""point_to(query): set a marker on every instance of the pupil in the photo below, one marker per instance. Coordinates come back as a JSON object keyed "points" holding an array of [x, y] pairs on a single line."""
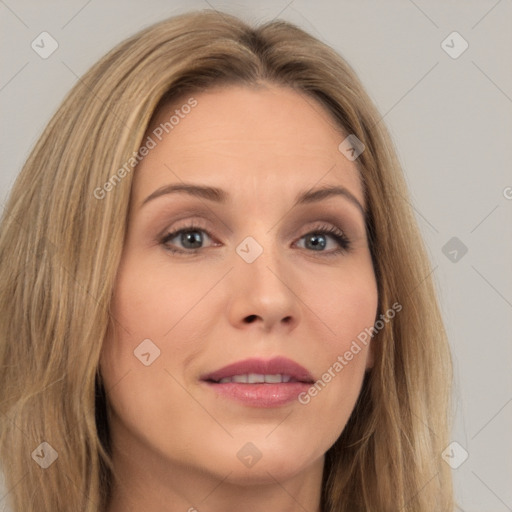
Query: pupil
{"points": [[317, 241], [191, 237]]}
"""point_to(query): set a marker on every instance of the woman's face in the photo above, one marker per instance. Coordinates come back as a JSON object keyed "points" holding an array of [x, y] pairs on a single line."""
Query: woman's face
{"points": [[240, 263]]}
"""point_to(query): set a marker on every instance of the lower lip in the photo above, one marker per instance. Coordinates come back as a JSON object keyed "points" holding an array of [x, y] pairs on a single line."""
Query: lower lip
{"points": [[260, 395]]}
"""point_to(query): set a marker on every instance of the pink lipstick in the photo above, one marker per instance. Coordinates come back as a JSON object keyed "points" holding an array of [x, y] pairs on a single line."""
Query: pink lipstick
{"points": [[260, 383]]}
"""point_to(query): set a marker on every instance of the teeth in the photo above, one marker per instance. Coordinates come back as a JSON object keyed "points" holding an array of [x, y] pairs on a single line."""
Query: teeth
{"points": [[256, 378]]}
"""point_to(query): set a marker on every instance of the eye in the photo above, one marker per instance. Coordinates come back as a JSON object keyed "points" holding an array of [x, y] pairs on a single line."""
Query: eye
{"points": [[188, 239], [318, 240]]}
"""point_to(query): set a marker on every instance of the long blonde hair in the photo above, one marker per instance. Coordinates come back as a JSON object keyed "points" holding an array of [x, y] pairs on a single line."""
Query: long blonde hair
{"points": [[60, 247]]}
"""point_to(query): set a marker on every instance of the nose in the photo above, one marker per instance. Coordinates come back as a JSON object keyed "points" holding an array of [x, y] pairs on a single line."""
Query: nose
{"points": [[262, 294]]}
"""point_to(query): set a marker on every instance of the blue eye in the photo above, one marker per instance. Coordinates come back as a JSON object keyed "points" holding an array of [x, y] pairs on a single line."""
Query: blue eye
{"points": [[190, 239], [317, 240]]}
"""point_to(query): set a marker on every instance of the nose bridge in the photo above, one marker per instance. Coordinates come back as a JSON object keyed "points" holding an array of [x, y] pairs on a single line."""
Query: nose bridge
{"points": [[259, 259], [261, 282]]}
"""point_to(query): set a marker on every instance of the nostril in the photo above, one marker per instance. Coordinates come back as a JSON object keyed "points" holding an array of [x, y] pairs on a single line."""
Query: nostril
{"points": [[250, 319]]}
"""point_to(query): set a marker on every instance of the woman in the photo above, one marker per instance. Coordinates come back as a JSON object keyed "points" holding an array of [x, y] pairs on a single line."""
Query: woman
{"points": [[214, 292]]}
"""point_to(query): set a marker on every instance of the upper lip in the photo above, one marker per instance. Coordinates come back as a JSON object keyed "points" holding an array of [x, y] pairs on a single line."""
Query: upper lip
{"points": [[277, 365]]}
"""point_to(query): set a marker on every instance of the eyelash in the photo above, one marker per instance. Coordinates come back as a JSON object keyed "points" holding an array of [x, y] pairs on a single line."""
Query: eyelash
{"points": [[341, 239]]}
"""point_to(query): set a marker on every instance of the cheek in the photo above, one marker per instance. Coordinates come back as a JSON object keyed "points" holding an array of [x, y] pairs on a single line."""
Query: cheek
{"points": [[157, 302], [345, 302], [152, 303], [148, 304], [347, 307]]}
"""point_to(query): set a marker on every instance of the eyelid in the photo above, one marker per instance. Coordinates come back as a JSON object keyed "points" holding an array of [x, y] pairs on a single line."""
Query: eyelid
{"points": [[333, 231], [328, 229], [184, 222], [188, 225], [202, 223]]}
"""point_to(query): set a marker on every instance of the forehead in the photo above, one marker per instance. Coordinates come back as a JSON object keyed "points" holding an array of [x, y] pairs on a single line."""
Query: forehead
{"points": [[264, 137]]}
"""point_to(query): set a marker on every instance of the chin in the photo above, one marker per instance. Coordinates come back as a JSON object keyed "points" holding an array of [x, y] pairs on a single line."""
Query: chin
{"points": [[266, 471], [261, 462]]}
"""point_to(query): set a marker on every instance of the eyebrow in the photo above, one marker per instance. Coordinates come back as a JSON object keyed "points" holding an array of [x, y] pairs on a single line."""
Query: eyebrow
{"points": [[221, 196]]}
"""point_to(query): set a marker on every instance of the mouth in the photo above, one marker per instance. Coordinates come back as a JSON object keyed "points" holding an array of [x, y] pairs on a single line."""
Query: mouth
{"points": [[259, 371], [257, 378], [260, 383]]}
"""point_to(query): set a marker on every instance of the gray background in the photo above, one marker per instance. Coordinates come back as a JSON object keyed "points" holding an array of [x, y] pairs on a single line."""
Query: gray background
{"points": [[451, 120]]}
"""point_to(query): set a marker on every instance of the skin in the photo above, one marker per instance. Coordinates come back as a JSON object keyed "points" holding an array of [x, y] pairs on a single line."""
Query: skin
{"points": [[175, 441]]}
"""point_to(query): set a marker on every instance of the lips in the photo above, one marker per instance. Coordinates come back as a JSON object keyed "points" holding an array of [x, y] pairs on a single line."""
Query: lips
{"points": [[259, 383], [279, 370]]}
